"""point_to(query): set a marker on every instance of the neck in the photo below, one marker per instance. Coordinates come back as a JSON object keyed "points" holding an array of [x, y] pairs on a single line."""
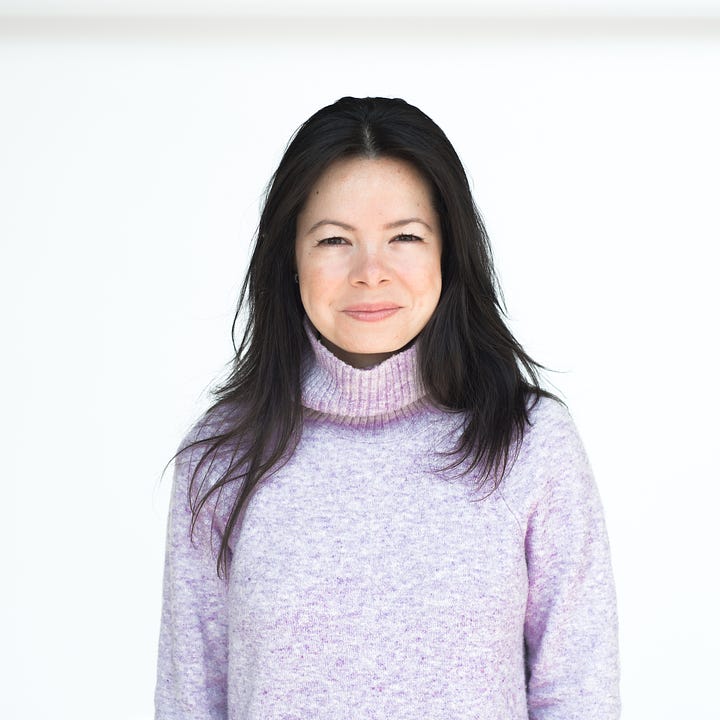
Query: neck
{"points": [[356, 360], [389, 389]]}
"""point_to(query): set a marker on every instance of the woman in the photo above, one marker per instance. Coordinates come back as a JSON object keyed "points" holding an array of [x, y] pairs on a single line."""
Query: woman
{"points": [[389, 517]]}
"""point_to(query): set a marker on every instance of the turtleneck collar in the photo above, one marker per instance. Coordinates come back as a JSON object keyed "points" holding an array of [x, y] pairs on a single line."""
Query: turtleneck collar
{"points": [[360, 396]]}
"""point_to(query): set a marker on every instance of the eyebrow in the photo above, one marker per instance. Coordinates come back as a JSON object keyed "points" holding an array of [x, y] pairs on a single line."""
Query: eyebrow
{"points": [[388, 226]]}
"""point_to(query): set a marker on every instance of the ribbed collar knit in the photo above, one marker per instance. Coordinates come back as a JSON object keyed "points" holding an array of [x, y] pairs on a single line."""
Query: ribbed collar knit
{"points": [[356, 396]]}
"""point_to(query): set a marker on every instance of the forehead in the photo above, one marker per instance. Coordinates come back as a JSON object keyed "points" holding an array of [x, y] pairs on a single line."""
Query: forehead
{"points": [[359, 183]]}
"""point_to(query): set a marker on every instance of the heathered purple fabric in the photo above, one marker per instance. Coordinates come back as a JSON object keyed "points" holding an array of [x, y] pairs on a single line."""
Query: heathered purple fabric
{"points": [[368, 583]]}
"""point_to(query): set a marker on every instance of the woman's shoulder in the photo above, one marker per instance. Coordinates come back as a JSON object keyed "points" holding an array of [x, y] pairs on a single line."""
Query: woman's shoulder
{"points": [[208, 443], [548, 419], [204, 455], [551, 455], [214, 423]]}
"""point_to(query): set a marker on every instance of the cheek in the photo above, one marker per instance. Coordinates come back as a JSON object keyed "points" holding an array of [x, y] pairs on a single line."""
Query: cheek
{"points": [[319, 279], [316, 290], [429, 285]]}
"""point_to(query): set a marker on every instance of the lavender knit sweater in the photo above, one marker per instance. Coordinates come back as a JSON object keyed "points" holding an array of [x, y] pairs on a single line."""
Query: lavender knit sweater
{"points": [[367, 583]]}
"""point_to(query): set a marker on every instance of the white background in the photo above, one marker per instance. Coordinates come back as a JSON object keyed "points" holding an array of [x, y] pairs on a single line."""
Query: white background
{"points": [[134, 151]]}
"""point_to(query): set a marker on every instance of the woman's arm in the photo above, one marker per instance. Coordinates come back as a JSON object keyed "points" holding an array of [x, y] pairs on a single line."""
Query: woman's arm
{"points": [[571, 620], [192, 661]]}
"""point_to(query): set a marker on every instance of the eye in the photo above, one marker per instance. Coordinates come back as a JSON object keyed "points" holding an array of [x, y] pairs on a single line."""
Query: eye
{"points": [[332, 241], [406, 237]]}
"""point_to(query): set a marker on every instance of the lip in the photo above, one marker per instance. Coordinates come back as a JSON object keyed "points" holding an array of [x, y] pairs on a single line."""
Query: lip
{"points": [[371, 312]]}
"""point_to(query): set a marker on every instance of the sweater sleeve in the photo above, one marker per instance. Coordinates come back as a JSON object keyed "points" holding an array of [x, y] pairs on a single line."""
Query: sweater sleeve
{"points": [[571, 617], [192, 658]]}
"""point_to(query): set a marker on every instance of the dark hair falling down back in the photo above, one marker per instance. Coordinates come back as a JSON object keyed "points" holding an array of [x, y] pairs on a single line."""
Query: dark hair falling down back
{"points": [[469, 360]]}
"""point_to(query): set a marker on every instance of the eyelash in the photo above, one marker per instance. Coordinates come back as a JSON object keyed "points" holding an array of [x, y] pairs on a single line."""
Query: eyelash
{"points": [[329, 241], [335, 240]]}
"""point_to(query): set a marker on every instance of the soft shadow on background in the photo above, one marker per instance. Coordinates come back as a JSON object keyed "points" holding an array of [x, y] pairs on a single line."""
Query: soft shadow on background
{"points": [[134, 152]]}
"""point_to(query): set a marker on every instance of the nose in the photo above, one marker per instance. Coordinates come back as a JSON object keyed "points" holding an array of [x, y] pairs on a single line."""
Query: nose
{"points": [[368, 268]]}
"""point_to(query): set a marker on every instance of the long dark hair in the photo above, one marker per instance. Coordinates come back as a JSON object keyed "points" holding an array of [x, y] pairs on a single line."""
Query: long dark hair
{"points": [[469, 360]]}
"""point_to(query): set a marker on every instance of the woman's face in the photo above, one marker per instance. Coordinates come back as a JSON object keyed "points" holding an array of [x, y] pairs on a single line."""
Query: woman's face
{"points": [[368, 248]]}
